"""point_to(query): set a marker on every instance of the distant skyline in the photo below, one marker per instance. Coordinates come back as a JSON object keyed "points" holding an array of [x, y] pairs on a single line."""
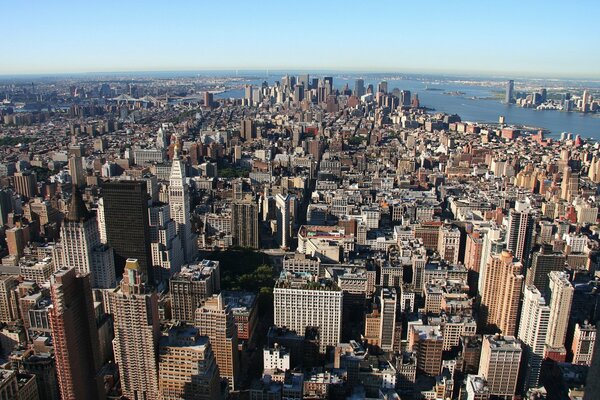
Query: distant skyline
{"points": [[524, 38]]}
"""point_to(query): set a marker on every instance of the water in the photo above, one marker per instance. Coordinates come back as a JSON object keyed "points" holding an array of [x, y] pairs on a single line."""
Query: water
{"points": [[477, 104]]}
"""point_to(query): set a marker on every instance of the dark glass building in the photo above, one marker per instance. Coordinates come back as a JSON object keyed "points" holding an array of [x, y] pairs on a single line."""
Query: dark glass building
{"points": [[127, 225]]}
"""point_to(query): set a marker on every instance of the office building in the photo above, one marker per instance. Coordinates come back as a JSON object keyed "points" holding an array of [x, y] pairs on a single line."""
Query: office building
{"points": [[179, 202], [500, 293], [509, 96], [499, 365], [284, 223], [165, 246], [8, 298], [449, 243], [75, 336], [187, 366], [533, 330], [543, 262], [388, 300], [244, 222], [25, 184], [76, 171], [191, 286], [427, 342], [81, 246], [300, 302], [215, 320], [359, 88], [134, 307], [127, 225]]}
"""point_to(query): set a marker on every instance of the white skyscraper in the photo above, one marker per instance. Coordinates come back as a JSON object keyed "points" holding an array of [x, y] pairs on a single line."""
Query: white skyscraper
{"points": [[100, 219], [283, 220], [561, 297], [179, 202], [165, 244], [533, 330]]}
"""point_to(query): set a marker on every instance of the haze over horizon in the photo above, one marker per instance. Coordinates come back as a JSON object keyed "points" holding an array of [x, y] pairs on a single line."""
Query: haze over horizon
{"points": [[515, 39]]}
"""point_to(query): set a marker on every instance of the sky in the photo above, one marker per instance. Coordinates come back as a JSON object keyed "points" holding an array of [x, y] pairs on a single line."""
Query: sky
{"points": [[496, 38]]}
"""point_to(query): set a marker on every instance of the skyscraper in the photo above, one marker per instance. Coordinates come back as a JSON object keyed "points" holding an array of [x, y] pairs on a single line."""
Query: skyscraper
{"points": [[509, 97], [76, 171], [282, 202], [166, 248], [359, 87], [137, 331], [75, 336], [81, 246], [187, 366], [127, 225], [561, 297], [244, 222], [215, 320], [500, 293], [179, 201], [569, 185], [543, 262], [521, 225], [499, 364], [533, 330], [387, 335]]}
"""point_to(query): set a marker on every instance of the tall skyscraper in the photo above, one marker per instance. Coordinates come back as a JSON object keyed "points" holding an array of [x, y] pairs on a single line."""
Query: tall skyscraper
{"points": [[388, 304], [127, 225], [137, 332], [561, 297], [26, 184], [521, 225], [75, 336], [215, 320], [179, 201], [187, 366], [584, 339], [359, 87], [500, 293], [81, 246], [166, 248], [533, 330], [284, 235], [592, 386], [244, 222], [321, 304], [499, 364], [509, 97], [76, 171]]}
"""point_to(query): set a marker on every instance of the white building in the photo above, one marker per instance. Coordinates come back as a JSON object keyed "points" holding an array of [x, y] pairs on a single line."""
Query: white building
{"points": [[276, 358]]}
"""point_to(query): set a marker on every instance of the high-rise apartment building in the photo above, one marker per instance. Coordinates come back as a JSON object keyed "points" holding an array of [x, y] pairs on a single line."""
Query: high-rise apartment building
{"points": [[187, 366], [244, 223], [499, 365], [76, 171], [75, 336], [521, 225], [569, 185], [533, 330], [137, 332], [359, 88], [300, 302], [127, 225], [561, 297], [191, 286], [215, 320], [500, 293], [427, 342]]}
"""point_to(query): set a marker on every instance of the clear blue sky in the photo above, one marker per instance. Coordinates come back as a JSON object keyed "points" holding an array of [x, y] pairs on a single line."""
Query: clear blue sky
{"points": [[525, 37]]}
